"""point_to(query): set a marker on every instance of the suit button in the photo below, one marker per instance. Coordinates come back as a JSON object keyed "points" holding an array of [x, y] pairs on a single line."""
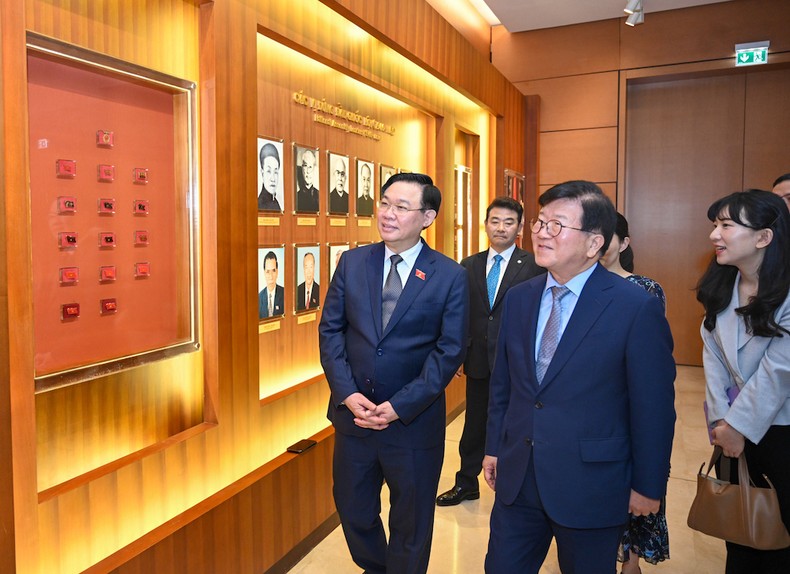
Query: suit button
{"points": [[379, 352], [539, 405], [490, 318], [528, 441]]}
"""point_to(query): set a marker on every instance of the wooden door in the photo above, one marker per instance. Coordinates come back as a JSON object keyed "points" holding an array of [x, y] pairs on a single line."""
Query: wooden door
{"points": [[684, 149]]}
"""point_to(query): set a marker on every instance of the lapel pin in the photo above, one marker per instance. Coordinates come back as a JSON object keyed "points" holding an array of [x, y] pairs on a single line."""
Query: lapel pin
{"points": [[420, 274]]}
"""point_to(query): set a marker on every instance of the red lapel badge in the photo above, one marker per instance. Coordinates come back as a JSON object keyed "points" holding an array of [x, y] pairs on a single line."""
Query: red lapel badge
{"points": [[420, 274]]}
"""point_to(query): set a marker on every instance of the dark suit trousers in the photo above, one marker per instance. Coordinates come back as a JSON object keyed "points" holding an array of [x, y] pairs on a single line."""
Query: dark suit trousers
{"points": [[361, 465], [521, 534], [473, 438]]}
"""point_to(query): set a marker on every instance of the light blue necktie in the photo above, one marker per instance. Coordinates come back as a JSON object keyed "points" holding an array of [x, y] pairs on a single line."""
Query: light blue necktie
{"points": [[551, 333], [492, 280]]}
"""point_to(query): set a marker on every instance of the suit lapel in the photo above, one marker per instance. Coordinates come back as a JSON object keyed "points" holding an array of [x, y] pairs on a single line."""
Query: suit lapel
{"points": [[375, 278], [479, 275], [594, 299], [514, 267]]}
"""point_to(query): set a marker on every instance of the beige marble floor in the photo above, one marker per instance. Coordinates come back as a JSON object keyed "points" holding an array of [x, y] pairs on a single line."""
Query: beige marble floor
{"points": [[461, 532]]}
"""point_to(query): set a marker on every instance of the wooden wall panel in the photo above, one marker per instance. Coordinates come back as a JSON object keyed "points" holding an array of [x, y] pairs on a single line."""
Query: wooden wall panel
{"points": [[557, 52], [115, 512], [685, 149], [575, 102], [766, 154], [706, 32], [578, 154]]}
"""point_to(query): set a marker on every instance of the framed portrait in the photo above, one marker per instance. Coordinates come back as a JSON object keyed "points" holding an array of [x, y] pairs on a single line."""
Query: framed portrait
{"points": [[307, 175], [335, 251], [337, 183], [515, 185], [385, 172], [308, 263], [269, 160], [361, 243], [271, 281], [366, 195]]}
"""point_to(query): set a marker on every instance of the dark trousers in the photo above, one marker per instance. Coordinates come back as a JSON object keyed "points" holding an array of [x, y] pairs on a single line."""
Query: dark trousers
{"points": [[360, 467], [772, 458], [521, 534], [473, 438]]}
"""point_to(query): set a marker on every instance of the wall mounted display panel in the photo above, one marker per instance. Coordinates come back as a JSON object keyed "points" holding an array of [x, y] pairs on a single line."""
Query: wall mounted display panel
{"points": [[113, 199]]}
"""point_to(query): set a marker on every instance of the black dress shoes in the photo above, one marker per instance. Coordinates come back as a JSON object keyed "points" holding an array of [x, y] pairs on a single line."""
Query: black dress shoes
{"points": [[456, 495]]}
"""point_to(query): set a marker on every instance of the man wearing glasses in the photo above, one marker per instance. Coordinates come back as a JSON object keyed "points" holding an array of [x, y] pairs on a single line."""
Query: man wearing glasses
{"points": [[393, 333], [581, 414]]}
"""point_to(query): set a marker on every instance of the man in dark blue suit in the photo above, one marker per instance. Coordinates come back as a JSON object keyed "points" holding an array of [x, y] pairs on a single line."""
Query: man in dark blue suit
{"points": [[581, 411], [392, 335], [271, 300]]}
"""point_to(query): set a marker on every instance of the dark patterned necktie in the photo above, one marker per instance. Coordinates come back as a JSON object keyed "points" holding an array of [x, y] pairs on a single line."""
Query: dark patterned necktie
{"points": [[391, 291], [551, 334]]}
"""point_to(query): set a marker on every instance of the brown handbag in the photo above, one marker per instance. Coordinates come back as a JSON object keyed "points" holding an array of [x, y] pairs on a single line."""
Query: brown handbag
{"points": [[740, 513]]}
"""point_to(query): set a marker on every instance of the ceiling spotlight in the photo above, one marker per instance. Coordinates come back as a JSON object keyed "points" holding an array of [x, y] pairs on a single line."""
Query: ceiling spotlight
{"points": [[635, 19], [633, 6]]}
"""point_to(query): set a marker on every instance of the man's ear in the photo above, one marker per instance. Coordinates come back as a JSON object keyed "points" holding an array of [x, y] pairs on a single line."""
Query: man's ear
{"points": [[429, 215], [594, 245]]}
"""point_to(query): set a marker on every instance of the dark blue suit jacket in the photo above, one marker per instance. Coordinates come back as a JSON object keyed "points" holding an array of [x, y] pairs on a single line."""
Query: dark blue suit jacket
{"points": [[412, 361], [602, 421]]}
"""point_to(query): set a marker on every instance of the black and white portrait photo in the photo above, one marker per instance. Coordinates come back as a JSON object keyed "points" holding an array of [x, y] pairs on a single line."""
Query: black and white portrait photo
{"points": [[306, 175], [338, 184], [365, 189], [270, 183]]}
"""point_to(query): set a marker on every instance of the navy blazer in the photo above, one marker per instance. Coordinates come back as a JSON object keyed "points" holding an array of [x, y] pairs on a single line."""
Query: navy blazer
{"points": [[279, 302], [484, 320], [412, 361], [602, 421]]}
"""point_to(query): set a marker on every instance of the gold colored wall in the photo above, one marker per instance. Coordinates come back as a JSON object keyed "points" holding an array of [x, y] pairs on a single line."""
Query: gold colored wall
{"points": [[109, 475]]}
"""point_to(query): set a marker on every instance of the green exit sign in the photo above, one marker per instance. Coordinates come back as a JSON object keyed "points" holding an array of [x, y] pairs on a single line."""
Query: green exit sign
{"points": [[751, 54]]}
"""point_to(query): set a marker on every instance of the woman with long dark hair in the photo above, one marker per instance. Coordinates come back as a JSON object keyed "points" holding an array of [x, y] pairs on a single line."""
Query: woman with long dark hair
{"points": [[746, 336]]}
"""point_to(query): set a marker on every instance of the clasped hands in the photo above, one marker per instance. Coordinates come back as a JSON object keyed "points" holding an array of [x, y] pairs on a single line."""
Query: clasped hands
{"points": [[729, 439], [369, 415]]}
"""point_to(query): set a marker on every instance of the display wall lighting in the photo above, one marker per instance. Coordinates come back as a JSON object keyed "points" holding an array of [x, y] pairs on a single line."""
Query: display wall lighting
{"points": [[633, 6], [635, 19]]}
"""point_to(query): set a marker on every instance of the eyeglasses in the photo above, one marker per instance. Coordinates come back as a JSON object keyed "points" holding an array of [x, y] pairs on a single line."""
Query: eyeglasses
{"points": [[553, 227], [396, 209]]}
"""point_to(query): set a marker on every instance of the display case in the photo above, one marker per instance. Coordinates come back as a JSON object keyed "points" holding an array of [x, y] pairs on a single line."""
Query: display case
{"points": [[114, 213]]}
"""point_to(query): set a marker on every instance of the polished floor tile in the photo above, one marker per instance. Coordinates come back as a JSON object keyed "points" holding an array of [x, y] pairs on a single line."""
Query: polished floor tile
{"points": [[461, 532]]}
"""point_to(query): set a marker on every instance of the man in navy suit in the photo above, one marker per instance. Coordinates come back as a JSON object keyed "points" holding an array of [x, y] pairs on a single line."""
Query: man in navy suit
{"points": [[392, 335], [491, 273], [581, 413], [271, 300], [308, 292]]}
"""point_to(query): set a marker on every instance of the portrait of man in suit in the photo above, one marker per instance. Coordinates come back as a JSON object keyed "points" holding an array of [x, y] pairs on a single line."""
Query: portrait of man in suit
{"points": [[581, 407], [387, 372], [271, 299], [365, 198], [491, 273], [308, 294], [307, 177], [338, 197]]}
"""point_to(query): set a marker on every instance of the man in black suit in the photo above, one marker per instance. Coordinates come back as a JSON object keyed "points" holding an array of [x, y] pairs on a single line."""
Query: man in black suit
{"points": [[338, 197], [504, 223], [306, 193], [308, 294], [271, 300]]}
